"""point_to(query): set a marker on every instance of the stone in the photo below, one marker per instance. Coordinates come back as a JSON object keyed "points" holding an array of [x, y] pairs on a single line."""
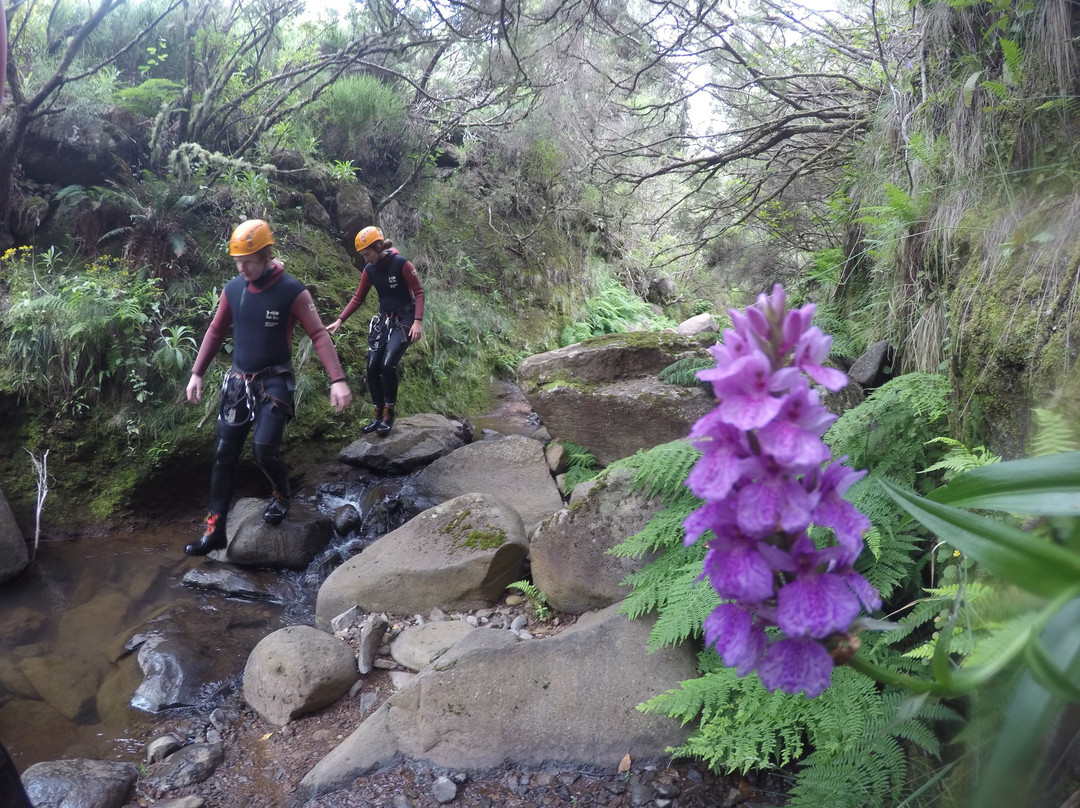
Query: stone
{"points": [[459, 555], [415, 441], [605, 393], [297, 670], [293, 544], [79, 783], [533, 695], [185, 767], [371, 636], [699, 324], [14, 555], [568, 554], [416, 648], [513, 469]]}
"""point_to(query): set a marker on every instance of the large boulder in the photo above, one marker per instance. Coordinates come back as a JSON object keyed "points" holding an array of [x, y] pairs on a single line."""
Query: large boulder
{"points": [[415, 441], [461, 554], [73, 149], [493, 700], [568, 552], [295, 671], [79, 783], [605, 393], [354, 210], [513, 469], [14, 556]]}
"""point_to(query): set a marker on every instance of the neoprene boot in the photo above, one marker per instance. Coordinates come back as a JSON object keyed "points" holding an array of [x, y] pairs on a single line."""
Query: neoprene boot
{"points": [[213, 537], [276, 508], [387, 420], [374, 425]]}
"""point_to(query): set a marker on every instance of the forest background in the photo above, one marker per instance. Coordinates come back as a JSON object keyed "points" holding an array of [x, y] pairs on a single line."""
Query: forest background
{"points": [[559, 170]]}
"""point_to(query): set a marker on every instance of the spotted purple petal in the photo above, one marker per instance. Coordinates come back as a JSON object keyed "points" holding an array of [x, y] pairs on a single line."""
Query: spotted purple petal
{"points": [[796, 664], [737, 638], [815, 606], [738, 571]]}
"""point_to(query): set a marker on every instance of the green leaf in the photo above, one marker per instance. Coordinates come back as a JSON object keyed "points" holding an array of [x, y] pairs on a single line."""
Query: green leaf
{"points": [[1043, 486], [1047, 673], [1015, 556]]}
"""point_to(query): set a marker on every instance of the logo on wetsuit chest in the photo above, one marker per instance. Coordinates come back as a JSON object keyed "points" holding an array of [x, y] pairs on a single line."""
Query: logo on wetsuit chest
{"points": [[273, 318]]}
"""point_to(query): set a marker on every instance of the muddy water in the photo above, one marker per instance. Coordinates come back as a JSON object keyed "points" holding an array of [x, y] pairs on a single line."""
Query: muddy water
{"points": [[66, 681]]}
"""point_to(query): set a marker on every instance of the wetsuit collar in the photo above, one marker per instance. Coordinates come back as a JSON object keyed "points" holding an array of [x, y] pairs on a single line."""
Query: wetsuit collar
{"points": [[273, 272]]}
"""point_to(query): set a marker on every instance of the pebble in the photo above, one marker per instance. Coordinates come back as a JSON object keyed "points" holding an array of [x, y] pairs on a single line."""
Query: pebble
{"points": [[444, 790], [519, 622], [515, 600]]}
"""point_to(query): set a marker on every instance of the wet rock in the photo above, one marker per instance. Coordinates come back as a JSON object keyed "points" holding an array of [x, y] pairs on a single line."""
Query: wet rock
{"points": [[415, 441], [228, 581], [174, 670], [79, 783], [293, 544], [68, 688], [190, 765], [297, 670], [346, 519], [14, 555]]}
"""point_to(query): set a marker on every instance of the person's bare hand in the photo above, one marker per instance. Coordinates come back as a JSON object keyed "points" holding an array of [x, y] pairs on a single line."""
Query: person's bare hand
{"points": [[340, 396], [194, 389]]}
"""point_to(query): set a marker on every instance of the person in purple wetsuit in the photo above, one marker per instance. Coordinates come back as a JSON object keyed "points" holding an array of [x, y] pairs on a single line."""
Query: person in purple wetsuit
{"points": [[398, 323], [260, 307]]}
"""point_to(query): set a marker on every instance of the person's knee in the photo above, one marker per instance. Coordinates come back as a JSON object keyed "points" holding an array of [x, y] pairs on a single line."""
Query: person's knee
{"points": [[267, 455]]}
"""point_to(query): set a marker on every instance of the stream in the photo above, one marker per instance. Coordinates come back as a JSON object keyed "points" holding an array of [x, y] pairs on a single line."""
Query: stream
{"points": [[65, 621]]}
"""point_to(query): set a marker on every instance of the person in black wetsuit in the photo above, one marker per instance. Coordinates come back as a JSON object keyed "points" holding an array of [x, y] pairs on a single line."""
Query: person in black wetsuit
{"points": [[261, 306], [398, 324]]}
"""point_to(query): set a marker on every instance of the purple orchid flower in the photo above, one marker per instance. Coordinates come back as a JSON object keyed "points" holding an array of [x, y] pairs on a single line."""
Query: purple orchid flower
{"points": [[765, 476]]}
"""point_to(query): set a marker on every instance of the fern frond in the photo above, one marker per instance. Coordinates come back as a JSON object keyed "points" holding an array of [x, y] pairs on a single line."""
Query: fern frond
{"points": [[1053, 434], [959, 458], [684, 371]]}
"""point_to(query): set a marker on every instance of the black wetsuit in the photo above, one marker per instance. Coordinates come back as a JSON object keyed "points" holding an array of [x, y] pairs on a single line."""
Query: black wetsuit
{"points": [[257, 391], [401, 301]]}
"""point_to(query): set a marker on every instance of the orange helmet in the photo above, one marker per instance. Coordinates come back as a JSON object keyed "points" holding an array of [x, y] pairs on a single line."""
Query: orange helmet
{"points": [[250, 237], [368, 236]]}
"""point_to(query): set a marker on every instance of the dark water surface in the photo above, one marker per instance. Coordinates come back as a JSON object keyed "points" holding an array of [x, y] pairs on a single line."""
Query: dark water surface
{"points": [[66, 682]]}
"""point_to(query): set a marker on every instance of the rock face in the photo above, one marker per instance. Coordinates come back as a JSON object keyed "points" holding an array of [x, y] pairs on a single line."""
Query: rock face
{"points": [[512, 469], [13, 553], [604, 393], [568, 552], [493, 698], [297, 670], [459, 555]]}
